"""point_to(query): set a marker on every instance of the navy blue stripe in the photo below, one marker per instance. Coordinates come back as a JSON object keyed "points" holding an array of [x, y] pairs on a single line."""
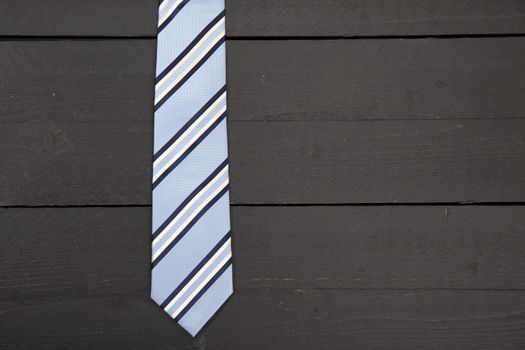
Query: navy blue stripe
{"points": [[203, 290], [190, 225], [189, 198], [189, 150], [189, 48], [189, 123], [193, 70], [172, 16], [196, 270]]}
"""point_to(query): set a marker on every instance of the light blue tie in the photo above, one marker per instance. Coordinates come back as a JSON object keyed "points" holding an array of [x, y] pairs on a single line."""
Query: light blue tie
{"points": [[191, 243]]}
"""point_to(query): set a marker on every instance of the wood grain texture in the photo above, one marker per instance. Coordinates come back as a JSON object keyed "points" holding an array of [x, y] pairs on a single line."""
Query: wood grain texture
{"points": [[112, 80], [373, 18], [59, 253], [275, 162], [299, 319], [59, 99], [378, 162], [79, 18], [379, 247], [252, 18], [377, 79], [77, 122], [64, 252]]}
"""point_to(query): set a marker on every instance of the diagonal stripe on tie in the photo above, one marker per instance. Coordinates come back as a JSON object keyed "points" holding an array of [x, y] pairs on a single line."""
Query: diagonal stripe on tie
{"points": [[194, 196], [217, 98], [179, 313], [214, 253], [179, 234], [165, 20], [192, 144], [162, 97], [195, 44]]}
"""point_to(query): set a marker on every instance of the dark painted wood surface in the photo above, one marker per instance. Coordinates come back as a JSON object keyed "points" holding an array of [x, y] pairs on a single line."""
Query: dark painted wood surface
{"points": [[248, 18], [55, 253], [280, 319], [351, 121], [361, 133]]}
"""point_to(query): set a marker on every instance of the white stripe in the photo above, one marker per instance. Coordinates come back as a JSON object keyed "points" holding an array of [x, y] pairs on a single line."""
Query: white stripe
{"points": [[188, 55], [196, 277], [170, 11], [188, 145], [188, 206], [199, 288], [162, 5], [188, 220], [165, 92], [193, 126]]}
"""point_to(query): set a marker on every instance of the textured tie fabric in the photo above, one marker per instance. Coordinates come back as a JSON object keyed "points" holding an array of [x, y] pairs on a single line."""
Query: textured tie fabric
{"points": [[191, 243]]}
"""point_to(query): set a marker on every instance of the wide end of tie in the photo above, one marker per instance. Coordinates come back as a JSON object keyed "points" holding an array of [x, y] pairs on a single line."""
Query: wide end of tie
{"points": [[195, 310], [205, 307]]}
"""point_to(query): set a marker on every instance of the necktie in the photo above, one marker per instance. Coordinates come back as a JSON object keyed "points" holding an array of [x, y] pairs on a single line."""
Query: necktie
{"points": [[191, 243]]}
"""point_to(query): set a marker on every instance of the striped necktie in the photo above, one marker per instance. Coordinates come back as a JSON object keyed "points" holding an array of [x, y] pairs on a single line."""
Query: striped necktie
{"points": [[191, 243]]}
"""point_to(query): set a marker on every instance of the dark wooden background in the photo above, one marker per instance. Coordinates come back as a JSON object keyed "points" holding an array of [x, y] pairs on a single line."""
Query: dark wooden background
{"points": [[377, 173]]}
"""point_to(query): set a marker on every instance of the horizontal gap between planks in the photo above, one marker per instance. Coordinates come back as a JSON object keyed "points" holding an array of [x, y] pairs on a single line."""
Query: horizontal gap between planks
{"points": [[437, 289], [383, 37], [385, 204], [367, 120], [100, 296], [263, 38]]}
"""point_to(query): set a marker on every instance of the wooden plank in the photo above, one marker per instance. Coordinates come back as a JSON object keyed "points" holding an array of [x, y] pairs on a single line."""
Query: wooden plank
{"points": [[380, 247], [375, 18], [287, 162], [79, 18], [284, 319], [378, 161], [59, 253], [377, 79], [76, 121], [63, 252], [271, 18], [99, 80], [61, 98]]}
